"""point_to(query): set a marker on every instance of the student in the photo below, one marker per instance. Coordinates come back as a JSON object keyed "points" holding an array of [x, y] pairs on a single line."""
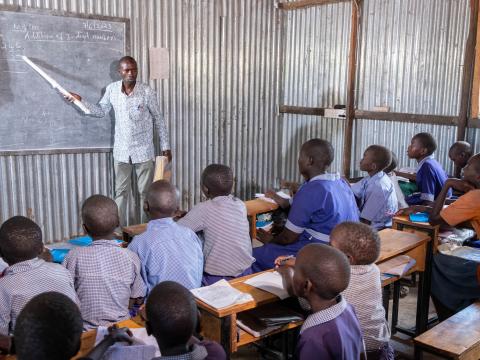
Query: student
{"points": [[172, 317], [227, 246], [50, 328], [375, 193], [26, 275], [332, 330], [322, 202], [454, 280], [402, 204], [430, 175], [361, 245], [167, 250], [459, 153], [106, 275]]}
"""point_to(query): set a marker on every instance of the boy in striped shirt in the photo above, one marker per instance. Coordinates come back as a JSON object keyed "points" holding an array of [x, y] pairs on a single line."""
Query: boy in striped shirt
{"points": [[227, 247]]}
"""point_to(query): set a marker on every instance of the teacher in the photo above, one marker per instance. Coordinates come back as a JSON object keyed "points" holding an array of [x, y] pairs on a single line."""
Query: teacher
{"points": [[136, 112]]}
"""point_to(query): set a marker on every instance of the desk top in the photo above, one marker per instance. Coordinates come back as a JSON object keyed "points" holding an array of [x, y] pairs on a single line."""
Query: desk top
{"points": [[457, 336], [393, 243], [404, 219]]}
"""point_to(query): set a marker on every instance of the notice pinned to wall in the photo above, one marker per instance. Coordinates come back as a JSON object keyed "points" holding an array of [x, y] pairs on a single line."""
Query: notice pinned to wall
{"points": [[159, 63]]}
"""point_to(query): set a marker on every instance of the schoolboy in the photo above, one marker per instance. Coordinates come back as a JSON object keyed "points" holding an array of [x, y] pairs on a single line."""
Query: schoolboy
{"points": [[106, 275], [37, 339], [455, 280], [430, 176], [375, 193], [167, 250], [361, 245], [402, 204], [26, 275], [459, 153], [322, 202], [227, 246], [172, 317], [321, 273]]}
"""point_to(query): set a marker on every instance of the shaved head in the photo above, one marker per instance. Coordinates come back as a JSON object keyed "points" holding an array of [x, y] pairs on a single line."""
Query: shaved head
{"points": [[100, 215], [218, 179], [127, 59], [382, 157], [321, 151], [162, 198], [325, 267], [459, 153], [357, 240], [20, 240]]}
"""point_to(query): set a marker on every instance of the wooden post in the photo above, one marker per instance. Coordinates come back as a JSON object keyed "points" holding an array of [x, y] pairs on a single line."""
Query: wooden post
{"points": [[300, 4], [468, 70], [352, 74]]}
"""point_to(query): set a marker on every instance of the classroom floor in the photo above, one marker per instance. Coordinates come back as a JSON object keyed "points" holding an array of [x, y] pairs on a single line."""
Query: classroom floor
{"points": [[403, 344]]}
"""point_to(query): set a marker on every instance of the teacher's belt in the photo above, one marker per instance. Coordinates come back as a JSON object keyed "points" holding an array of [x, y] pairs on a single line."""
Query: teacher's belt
{"points": [[315, 235]]}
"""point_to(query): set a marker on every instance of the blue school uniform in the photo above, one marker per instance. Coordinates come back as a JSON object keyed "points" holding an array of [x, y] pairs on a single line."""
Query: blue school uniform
{"points": [[378, 200], [318, 206], [430, 179]]}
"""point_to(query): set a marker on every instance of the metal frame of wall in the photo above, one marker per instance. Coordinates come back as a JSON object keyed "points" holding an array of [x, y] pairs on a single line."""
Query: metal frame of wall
{"points": [[415, 58]]}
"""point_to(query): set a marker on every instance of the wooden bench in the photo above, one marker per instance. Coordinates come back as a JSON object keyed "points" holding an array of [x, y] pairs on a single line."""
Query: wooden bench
{"points": [[458, 337]]}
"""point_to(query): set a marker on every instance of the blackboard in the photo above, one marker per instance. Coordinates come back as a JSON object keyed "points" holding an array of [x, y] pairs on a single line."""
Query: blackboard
{"points": [[80, 53]]}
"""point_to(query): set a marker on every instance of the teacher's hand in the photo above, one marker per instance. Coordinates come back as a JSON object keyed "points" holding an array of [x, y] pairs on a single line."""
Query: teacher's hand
{"points": [[168, 154], [73, 97]]}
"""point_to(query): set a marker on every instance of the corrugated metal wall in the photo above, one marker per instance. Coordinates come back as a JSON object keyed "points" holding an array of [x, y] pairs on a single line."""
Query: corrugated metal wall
{"points": [[410, 59], [220, 102], [315, 75]]}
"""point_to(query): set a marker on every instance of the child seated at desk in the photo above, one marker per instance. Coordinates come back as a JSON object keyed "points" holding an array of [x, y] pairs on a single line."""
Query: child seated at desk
{"points": [[402, 204], [430, 176], [107, 277], [322, 202], [167, 250], [227, 246], [172, 317], [375, 193], [361, 245], [26, 275], [332, 331], [459, 153], [454, 280]]}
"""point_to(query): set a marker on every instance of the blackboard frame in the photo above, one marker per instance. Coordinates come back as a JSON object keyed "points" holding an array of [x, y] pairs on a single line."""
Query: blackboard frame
{"points": [[127, 44]]}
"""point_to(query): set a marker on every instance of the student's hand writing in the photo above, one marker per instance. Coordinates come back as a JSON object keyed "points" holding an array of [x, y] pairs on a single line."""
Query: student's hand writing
{"points": [[459, 185], [120, 334], [142, 312], [284, 260], [264, 236]]}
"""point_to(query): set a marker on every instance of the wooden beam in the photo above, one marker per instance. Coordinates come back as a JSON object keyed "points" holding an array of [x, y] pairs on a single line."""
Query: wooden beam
{"points": [[405, 117], [474, 123], [301, 110], [475, 103], [351, 76], [468, 70], [300, 4]]}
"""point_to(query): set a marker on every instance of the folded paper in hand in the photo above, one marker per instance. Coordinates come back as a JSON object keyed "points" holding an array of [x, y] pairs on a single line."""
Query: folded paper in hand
{"points": [[221, 295]]}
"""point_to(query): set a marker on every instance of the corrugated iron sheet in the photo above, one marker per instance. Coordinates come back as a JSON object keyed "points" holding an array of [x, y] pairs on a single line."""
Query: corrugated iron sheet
{"points": [[220, 103]]}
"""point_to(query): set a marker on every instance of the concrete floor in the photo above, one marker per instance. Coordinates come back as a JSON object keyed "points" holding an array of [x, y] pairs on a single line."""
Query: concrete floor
{"points": [[403, 344]]}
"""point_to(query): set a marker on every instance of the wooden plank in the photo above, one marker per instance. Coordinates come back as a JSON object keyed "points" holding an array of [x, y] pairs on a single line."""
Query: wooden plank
{"points": [[259, 206], [468, 70], [395, 242], [301, 110], [406, 117], [474, 110], [474, 123], [458, 336], [351, 76], [300, 4]]}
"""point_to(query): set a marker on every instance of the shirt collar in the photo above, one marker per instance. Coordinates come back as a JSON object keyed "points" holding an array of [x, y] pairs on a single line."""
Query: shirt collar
{"points": [[378, 175], [23, 266], [160, 222], [429, 157], [199, 352], [360, 269], [326, 176], [222, 198], [323, 316], [105, 243]]}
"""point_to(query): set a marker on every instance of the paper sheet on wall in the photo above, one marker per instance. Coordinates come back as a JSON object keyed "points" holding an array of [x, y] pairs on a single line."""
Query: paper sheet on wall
{"points": [[159, 63]]}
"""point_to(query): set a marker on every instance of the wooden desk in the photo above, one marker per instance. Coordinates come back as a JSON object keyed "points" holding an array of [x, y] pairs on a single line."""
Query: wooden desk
{"points": [[254, 207], [455, 338], [220, 324], [403, 223]]}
